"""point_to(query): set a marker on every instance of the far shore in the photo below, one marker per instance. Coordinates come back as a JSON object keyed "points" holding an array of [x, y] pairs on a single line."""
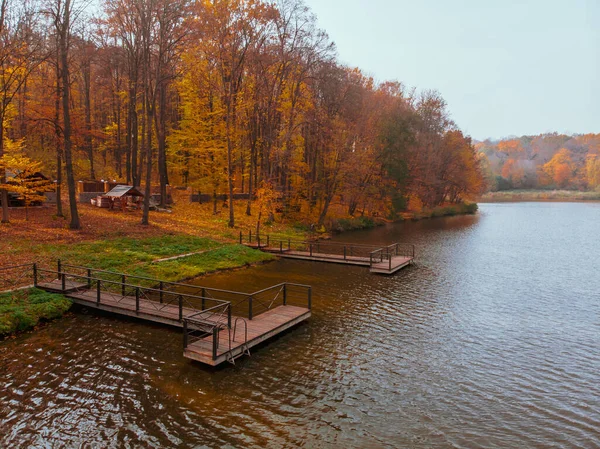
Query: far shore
{"points": [[539, 195]]}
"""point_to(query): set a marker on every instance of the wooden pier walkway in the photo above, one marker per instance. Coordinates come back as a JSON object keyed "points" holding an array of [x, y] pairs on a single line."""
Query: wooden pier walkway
{"points": [[380, 260], [218, 325]]}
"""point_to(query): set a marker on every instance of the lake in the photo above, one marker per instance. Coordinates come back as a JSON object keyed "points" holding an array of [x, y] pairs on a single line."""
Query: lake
{"points": [[491, 340]]}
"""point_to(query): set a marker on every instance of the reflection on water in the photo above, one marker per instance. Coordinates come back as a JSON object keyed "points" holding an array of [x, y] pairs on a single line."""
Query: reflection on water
{"points": [[491, 340]]}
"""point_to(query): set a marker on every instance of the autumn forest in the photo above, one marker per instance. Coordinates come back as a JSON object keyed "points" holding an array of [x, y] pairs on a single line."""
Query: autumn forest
{"points": [[224, 97]]}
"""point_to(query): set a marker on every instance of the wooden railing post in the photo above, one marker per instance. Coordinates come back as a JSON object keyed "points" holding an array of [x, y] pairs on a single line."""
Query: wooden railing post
{"points": [[250, 307], [229, 315], [185, 334], [89, 278], [58, 268], [161, 286], [289, 244], [203, 298], [310, 244], [390, 261], [215, 342], [98, 294], [344, 252], [250, 236], [280, 246], [137, 300], [240, 237], [284, 294], [63, 280], [309, 298], [180, 307], [122, 285], [35, 275], [267, 240]]}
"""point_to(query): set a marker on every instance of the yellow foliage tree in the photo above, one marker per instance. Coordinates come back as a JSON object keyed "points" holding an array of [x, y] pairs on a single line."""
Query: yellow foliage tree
{"points": [[560, 169], [23, 175]]}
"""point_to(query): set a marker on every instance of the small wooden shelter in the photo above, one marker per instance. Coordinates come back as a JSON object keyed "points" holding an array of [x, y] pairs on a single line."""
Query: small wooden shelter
{"points": [[120, 196]]}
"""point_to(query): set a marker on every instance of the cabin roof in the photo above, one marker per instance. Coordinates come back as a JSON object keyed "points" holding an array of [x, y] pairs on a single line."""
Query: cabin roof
{"points": [[121, 190]]}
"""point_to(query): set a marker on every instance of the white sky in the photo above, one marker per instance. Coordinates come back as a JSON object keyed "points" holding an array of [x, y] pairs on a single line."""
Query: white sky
{"points": [[505, 67]]}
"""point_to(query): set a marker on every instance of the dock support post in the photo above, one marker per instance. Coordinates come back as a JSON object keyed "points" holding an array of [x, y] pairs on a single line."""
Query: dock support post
{"points": [[284, 294], [250, 308], [137, 300], [185, 334], [215, 342], [98, 292], [89, 278], [161, 286], [309, 298], [35, 275], [123, 285], [180, 307]]}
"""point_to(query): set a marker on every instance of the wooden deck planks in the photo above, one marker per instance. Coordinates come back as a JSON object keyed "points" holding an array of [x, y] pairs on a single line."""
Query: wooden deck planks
{"points": [[261, 328], [398, 262]]}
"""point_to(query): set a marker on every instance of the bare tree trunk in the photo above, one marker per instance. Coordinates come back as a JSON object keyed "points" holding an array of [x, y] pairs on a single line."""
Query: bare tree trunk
{"points": [[64, 33], [86, 75], [57, 132], [3, 193]]}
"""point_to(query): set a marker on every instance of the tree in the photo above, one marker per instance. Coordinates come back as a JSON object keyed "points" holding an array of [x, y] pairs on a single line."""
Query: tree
{"points": [[25, 179], [20, 54]]}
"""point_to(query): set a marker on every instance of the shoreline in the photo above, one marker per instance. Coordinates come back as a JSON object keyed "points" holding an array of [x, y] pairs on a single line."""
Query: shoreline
{"points": [[565, 196]]}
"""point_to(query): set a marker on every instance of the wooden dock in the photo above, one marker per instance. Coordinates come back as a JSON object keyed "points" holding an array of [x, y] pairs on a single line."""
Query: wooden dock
{"points": [[218, 325], [380, 260]]}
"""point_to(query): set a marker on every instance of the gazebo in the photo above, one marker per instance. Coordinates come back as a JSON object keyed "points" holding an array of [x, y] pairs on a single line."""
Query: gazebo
{"points": [[121, 193]]}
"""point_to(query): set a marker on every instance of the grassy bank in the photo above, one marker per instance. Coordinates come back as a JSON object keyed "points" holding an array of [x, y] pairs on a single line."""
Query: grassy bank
{"points": [[539, 195], [24, 309], [442, 211]]}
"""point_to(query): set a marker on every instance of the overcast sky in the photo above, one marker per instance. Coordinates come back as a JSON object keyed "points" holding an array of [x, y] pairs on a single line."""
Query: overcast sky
{"points": [[505, 67]]}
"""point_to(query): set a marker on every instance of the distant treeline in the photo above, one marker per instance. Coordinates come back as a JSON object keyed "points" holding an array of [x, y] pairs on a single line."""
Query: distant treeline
{"points": [[227, 96], [544, 161]]}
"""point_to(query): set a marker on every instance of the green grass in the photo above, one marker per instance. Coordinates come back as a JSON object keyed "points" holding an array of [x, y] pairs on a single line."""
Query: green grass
{"points": [[24, 309], [226, 257], [122, 253], [142, 257]]}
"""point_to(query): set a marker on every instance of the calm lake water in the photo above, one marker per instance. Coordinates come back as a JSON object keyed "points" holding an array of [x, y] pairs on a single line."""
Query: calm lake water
{"points": [[491, 340]]}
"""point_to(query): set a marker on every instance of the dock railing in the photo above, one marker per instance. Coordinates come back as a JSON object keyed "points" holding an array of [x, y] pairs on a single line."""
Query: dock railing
{"points": [[246, 307], [313, 248], [387, 253], [201, 310]]}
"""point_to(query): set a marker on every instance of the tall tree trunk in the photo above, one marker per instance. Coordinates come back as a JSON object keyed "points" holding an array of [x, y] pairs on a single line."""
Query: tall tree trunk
{"points": [[161, 136], [148, 190], [3, 192], [64, 56], [59, 208], [230, 155], [88, 116]]}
